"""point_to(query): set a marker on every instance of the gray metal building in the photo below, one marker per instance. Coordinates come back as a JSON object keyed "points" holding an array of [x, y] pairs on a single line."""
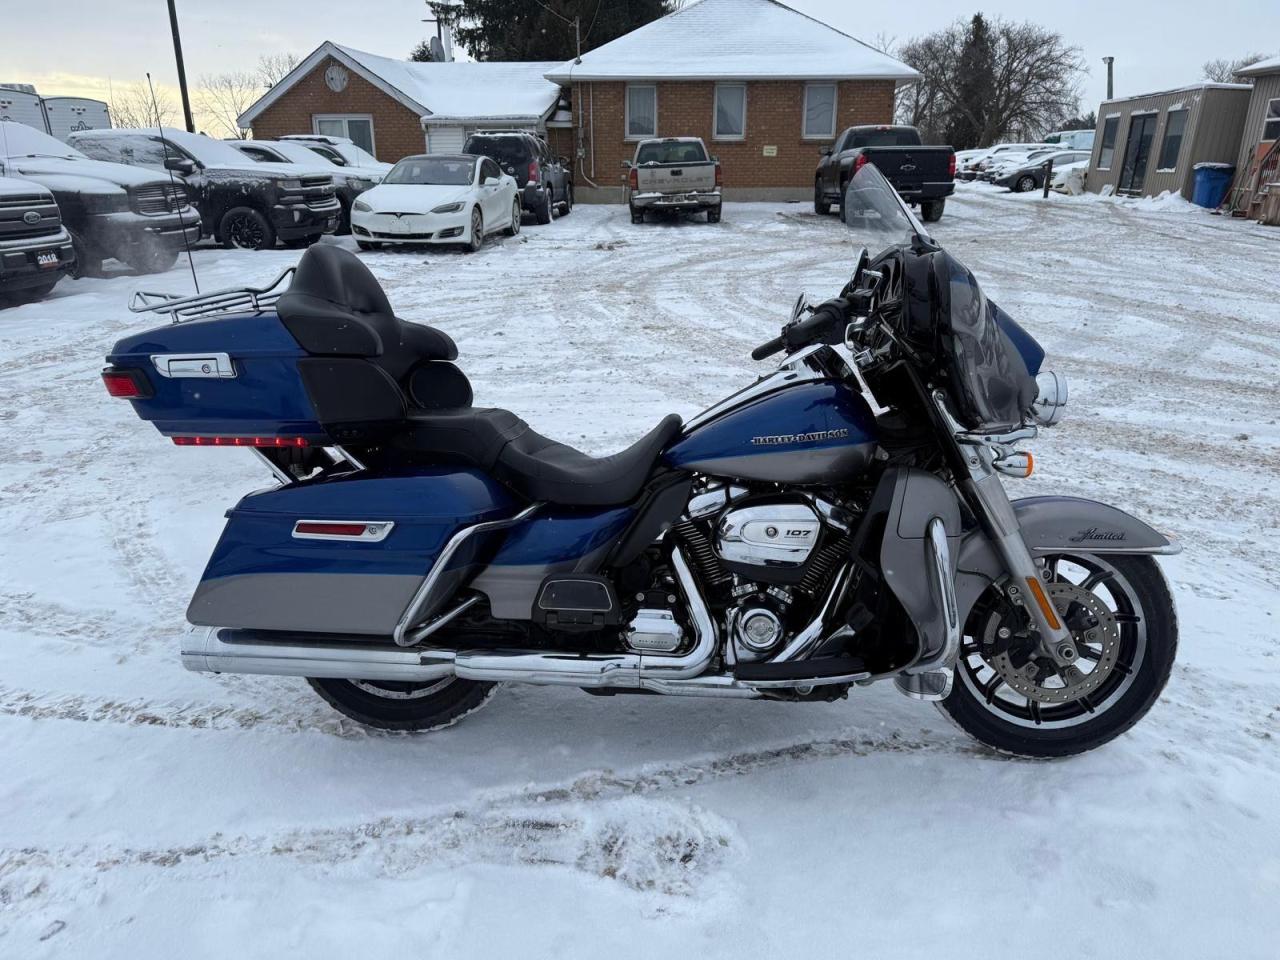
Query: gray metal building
{"points": [[1148, 144], [1262, 121]]}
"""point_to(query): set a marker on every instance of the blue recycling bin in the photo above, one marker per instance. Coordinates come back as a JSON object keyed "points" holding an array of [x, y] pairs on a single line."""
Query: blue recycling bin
{"points": [[1212, 181]]}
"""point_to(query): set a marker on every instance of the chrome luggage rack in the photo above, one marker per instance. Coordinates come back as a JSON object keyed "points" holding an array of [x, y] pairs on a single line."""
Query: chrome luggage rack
{"points": [[228, 300]]}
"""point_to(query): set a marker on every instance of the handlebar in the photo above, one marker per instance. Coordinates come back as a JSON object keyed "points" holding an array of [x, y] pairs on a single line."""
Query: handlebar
{"points": [[768, 348], [826, 321]]}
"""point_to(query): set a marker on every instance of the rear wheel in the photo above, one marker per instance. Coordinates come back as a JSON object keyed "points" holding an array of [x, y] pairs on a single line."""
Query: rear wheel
{"points": [[246, 229], [713, 214], [821, 205], [637, 215], [566, 206], [1013, 698], [394, 705], [931, 211]]}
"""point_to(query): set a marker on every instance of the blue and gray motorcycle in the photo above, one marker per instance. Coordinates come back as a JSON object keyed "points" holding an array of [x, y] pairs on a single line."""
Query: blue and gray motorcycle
{"points": [[840, 521]]}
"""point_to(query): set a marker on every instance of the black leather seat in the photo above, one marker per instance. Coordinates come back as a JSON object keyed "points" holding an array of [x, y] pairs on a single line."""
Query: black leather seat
{"points": [[533, 465], [336, 307]]}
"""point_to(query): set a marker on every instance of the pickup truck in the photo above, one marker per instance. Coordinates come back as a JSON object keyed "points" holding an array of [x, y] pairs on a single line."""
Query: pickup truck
{"points": [[923, 176], [35, 248], [673, 174], [110, 210]]}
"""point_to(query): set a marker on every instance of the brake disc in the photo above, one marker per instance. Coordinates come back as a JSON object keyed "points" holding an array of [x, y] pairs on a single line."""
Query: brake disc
{"points": [[1092, 623]]}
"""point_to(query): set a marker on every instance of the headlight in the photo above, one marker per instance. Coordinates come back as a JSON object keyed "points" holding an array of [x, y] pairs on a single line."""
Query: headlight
{"points": [[360, 184], [362, 207], [448, 208], [1051, 399], [290, 184]]}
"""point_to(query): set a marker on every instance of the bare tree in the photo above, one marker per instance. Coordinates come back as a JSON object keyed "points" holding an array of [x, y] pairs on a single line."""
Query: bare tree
{"points": [[272, 67], [132, 108], [221, 98], [1034, 81], [1224, 71]]}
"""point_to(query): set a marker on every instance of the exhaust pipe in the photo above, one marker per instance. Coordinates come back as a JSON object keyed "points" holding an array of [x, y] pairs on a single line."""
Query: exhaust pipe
{"points": [[230, 650]]}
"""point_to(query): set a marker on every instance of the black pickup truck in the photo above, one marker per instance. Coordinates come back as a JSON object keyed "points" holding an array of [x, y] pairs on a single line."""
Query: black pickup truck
{"points": [[922, 175]]}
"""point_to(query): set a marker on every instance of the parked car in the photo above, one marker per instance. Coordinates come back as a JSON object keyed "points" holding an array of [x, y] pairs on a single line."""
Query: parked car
{"points": [[340, 151], [998, 154], [1075, 139], [242, 203], [109, 209], [545, 181], [35, 248], [1028, 174], [1070, 178], [674, 174], [349, 182], [924, 176], [1013, 160], [437, 198]]}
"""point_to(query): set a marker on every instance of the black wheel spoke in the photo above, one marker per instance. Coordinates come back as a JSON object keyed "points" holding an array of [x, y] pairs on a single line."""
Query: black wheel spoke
{"points": [[1033, 708], [1123, 668], [970, 650], [1088, 653], [1097, 577], [991, 686], [1127, 618]]}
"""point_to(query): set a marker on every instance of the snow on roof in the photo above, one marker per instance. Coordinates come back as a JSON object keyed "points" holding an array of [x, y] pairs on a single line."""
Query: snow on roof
{"points": [[1270, 65], [437, 92], [734, 40], [1203, 85]]}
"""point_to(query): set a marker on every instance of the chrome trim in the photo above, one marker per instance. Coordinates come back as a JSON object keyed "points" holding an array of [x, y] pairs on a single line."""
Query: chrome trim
{"points": [[181, 366], [1051, 398], [375, 531], [423, 593], [280, 474], [784, 376], [779, 534], [931, 678], [810, 682], [427, 630], [183, 308], [804, 642], [346, 455], [654, 630]]}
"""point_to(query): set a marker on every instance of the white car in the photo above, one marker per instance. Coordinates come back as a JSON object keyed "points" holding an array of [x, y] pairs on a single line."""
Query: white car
{"points": [[1070, 177], [437, 198], [341, 152]]}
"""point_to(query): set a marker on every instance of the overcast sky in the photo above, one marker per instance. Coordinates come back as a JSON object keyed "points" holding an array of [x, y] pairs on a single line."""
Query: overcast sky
{"points": [[89, 43]]}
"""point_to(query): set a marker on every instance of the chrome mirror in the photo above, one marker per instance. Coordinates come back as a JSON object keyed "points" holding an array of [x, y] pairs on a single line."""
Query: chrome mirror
{"points": [[1051, 398], [800, 307]]}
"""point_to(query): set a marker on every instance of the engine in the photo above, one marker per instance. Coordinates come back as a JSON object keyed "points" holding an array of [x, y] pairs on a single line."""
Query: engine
{"points": [[766, 561]]}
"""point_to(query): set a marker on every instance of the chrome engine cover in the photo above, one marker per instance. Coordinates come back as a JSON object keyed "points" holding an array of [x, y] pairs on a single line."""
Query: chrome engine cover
{"points": [[775, 534]]}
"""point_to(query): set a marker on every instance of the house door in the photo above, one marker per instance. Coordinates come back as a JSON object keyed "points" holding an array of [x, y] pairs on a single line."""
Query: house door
{"points": [[1137, 152]]}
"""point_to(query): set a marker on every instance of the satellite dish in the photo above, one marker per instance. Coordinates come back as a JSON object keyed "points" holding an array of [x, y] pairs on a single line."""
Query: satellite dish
{"points": [[437, 50]]}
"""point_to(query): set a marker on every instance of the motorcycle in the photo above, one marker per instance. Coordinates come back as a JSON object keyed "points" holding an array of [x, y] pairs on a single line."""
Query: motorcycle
{"points": [[841, 521]]}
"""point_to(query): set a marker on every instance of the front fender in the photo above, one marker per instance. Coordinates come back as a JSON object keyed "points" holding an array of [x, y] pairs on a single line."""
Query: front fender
{"points": [[1055, 525]]}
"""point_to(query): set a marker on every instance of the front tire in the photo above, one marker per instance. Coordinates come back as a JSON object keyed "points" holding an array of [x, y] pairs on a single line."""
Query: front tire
{"points": [[713, 214], [394, 705], [545, 212], [514, 229], [246, 229], [88, 260], [1123, 619], [476, 240], [821, 205], [1025, 184]]}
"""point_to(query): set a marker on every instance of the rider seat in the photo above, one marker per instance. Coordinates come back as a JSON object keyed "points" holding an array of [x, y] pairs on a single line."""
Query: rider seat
{"points": [[336, 308]]}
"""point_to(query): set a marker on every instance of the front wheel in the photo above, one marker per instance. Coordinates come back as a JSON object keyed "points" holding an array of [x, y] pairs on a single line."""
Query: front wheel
{"points": [[713, 214], [821, 205], [514, 228], [396, 705], [476, 240], [246, 229], [1025, 184], [1016, 700]]}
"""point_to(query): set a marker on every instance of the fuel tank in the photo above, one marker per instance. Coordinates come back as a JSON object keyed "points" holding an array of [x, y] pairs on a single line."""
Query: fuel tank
{"points": [[814, 432]]}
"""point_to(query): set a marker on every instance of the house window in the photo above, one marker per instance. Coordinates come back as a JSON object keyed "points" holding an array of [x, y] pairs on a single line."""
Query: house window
{"points": [[357, 128], [1271, 125], [1110, 127], [1175, 125], [642, 111], [819, 111], [730, 122]]}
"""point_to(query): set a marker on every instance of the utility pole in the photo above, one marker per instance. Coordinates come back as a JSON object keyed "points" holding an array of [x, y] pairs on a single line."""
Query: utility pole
{"points": [[1110, 76], [182, 70], [577, 28]]}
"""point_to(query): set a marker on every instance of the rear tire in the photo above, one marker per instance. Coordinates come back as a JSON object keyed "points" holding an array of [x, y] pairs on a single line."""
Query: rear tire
{"points": [[567, 206], [821, 205], [931, 211], [1025, 184], [390, 705], [244, 228], [637, 216], [713, 214]]}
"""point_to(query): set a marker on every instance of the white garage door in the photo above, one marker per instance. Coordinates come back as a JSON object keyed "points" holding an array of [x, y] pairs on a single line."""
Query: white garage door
{"points": [[445, 139]]}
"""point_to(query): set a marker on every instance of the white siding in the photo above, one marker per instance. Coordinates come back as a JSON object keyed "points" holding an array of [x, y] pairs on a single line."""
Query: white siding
{"points": [[444, 139]]}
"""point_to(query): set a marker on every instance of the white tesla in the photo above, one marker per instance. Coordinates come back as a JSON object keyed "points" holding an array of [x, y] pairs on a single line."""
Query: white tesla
{"points": [[437, 198]]}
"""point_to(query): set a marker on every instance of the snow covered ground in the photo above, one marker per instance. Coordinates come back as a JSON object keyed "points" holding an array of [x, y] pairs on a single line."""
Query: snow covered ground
{"points": [[149, 812]]}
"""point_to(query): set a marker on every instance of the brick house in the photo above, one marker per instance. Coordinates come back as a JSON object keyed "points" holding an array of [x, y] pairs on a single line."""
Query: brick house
{"points": [[396, 108], [765, 86]]}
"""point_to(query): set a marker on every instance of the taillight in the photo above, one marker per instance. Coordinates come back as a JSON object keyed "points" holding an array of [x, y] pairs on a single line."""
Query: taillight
{"points": [[719, 176], [859, 162], [375, 531], [634, 179], [533, 171], [127, 384], [240, 441], [952, 166]]}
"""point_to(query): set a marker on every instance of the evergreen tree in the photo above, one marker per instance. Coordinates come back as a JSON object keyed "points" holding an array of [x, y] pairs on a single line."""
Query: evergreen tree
{"points": [[974, 87], [422, 52], [527, 30]]}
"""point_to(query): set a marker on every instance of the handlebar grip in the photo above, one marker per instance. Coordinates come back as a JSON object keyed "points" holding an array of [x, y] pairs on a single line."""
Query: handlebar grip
{"points": [[768, 348]]}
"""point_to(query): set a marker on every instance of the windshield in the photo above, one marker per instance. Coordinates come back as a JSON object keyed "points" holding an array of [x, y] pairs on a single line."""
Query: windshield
{"points": [[510, 152], [875, 215], [671, 152], [447, 171], [19, 140], [355, 155]]}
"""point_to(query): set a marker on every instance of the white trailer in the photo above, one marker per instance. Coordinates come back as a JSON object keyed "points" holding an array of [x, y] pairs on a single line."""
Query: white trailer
{"points": [[23, 106], [66, 115]]}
